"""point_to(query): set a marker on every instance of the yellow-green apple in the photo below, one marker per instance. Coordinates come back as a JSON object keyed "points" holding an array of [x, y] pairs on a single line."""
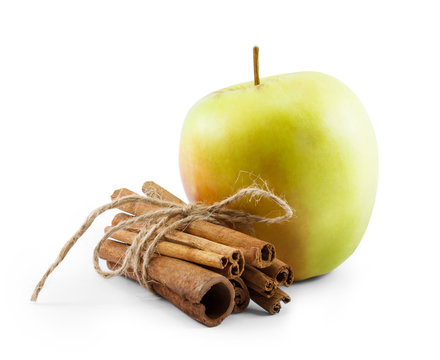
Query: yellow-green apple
{"points": [[309, 137]]}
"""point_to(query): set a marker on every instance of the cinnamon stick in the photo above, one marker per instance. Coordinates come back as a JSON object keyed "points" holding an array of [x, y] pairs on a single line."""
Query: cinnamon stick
{"points": [[256, 252], [259, 281], [282, 296], [128, 273], [231, 271], [190, 240], [177, 251], [150, 188], [290, 277], [280, 272], [153, 189], [242, 296], [202, 294], [272, 305]]}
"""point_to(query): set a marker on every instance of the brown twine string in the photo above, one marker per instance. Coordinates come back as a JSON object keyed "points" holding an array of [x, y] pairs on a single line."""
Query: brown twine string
{"points": [[158, 223]]}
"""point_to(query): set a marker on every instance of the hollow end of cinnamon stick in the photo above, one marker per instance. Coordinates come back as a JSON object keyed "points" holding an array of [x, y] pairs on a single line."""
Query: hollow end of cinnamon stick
{"points": [[268, 253], [280, 272], [203, 295], [290, 277], [259, 281], [271, 305], [281, 277], [235, 270], [240, 263], [242, 297], [231, 271], [267, 292], [216, 300], [282, 296]]}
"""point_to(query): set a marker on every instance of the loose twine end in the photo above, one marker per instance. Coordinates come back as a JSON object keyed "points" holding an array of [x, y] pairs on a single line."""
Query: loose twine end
{"points": [[158, 223]]}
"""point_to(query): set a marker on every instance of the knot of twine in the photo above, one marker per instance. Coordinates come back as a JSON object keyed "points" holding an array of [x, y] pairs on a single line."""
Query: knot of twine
{"points": [[169, 216]]}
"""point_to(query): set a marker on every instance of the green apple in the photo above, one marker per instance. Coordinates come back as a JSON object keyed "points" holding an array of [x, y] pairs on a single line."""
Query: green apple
{"points": [[309, 138]]}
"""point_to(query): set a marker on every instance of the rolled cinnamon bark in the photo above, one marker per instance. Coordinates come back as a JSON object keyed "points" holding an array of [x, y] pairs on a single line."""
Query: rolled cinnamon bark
{"points": [[256, 252], [242, 296], [271, 305], [202, 294], [231, 271], [128, 273], [280, 272], [177, 251], [290, 277], [258, 281], [150, 188], [281, 296], [266, 303], [190, 240]]}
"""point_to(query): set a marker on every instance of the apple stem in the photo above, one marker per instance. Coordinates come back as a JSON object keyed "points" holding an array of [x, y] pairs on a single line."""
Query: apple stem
{"points": [[256, 75]]}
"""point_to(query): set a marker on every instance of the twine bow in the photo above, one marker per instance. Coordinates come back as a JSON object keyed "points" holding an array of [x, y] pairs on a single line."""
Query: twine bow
{"points": [[169, 216]]}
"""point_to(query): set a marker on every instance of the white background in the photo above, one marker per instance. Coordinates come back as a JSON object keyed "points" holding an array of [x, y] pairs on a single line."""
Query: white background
{"points": [[93, 95]]}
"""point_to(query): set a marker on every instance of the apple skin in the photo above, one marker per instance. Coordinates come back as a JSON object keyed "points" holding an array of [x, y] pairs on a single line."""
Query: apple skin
{"points": [[309, 138]]}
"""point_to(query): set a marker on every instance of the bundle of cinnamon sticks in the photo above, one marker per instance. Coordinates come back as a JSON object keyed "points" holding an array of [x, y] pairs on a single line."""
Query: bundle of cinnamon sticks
{"points": [[206, 270]]}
